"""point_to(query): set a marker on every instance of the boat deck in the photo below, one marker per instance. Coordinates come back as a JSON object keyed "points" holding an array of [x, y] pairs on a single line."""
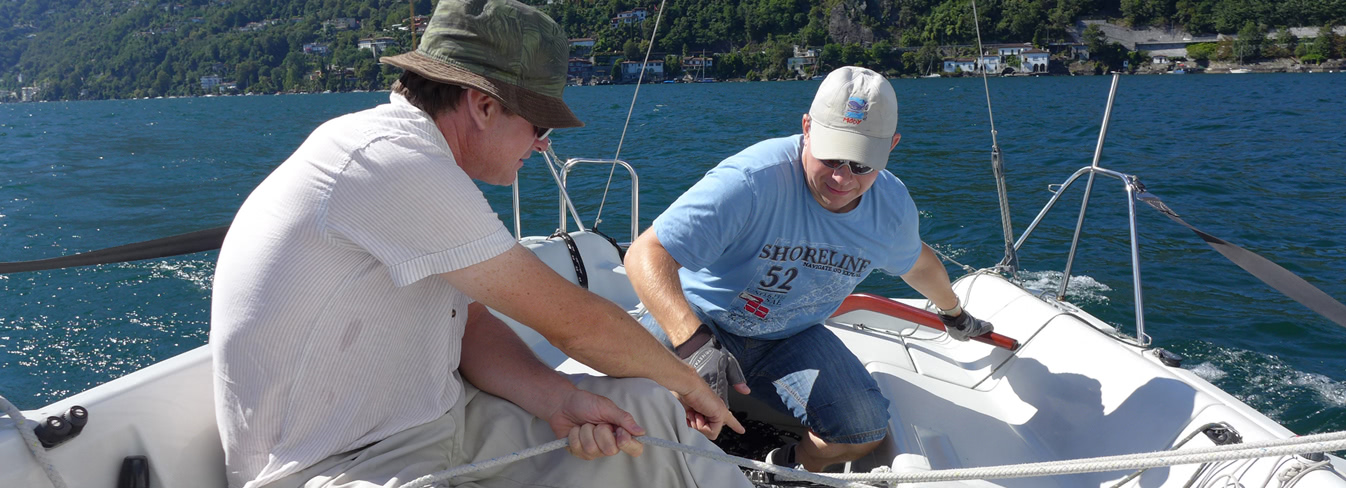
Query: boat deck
{"points": [[1072, 390]]}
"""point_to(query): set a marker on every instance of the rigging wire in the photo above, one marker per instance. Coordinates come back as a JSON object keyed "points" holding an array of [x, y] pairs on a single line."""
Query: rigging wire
{"points": [[1010, 262], [640, 79], [966, 269]]}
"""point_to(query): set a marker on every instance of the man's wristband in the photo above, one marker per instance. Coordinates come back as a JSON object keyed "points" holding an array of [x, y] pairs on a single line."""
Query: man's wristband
{"points": [[957, 309], [692, 344]]}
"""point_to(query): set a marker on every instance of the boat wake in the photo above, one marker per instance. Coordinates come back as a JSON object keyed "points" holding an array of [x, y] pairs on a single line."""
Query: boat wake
{"points": [[1268, 383], [1082, 289]]}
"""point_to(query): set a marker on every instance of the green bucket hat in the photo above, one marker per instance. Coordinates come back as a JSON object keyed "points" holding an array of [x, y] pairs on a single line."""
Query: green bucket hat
{"points": [[503, 48]]}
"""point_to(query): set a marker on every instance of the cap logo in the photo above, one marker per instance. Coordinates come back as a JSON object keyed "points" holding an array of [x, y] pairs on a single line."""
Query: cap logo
{"points": [[856, 109]]}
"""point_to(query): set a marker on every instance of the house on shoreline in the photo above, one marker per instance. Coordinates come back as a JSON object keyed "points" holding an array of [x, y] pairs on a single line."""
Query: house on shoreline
{"points": [[1002, 59]]}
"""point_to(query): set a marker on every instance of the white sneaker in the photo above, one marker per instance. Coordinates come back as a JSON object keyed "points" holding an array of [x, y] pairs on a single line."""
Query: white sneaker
{"points": [[783, 456]]}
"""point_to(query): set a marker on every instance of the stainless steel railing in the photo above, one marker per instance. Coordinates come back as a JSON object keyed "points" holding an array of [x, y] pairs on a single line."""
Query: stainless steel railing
{"points": [[635, 191], [1132, 188], [566, 204]]}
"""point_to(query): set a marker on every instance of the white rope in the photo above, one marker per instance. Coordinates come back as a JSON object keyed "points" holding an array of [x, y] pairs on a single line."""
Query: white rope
{"points": [[781, 471], [1279, 447], [30, 439], [1304, 470]]}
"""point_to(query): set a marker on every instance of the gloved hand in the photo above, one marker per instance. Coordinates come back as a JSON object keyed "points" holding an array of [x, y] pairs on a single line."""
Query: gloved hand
{"points": [[965, 326], [715, 365]]}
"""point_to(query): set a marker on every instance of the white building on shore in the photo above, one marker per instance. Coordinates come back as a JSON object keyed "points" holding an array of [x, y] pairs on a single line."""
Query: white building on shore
{"points": [[966, 65], [1035, 61]]}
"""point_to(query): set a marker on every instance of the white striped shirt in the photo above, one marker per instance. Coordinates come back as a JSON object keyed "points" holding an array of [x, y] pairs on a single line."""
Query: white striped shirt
{"points": [[328, 327]]}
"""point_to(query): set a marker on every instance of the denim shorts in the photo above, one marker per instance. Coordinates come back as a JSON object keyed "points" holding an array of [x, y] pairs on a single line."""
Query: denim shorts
{"points": [[810, 375]]}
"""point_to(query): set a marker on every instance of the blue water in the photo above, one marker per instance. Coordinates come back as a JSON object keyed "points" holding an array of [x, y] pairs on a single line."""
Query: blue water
{"points": [[1255, 159]]}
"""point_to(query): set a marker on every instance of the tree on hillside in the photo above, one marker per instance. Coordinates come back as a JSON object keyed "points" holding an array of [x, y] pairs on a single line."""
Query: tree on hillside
{"points": [[928, 58], [1249, 42], [1110, 54], [1325, 45], [1093, 38], [1284, 46], [885, 56], [1224, 50], [830, 58], [1195, 15], [631, 49], [1141, 13], [815, 33], [949, 23], [1231, 15], [854, 55], [1201, 52]]}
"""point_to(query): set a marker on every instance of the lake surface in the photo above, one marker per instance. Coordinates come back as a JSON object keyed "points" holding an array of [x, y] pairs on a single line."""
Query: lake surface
{"points": [[1254, 159]]}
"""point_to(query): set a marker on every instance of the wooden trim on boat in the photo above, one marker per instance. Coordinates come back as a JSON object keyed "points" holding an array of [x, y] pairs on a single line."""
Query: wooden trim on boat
{"points": [[899, 310]]}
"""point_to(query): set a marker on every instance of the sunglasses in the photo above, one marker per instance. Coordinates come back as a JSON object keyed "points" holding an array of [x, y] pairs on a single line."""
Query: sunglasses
{"points": [[856, 168], [541, 132]]}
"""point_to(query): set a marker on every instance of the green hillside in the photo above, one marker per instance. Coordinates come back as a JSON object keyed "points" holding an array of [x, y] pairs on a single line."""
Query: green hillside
{"points": [[97, 49]]}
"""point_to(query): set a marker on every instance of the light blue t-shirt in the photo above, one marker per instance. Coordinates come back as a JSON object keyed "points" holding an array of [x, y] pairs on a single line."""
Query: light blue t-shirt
{"points": [[762, 258]]}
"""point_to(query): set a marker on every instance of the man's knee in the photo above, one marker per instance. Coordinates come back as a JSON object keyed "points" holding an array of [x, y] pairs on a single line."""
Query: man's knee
{"points": [[859, 419]]}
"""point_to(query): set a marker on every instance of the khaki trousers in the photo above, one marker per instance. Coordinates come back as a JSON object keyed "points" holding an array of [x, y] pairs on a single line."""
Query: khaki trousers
{"points": [[482, 426]]}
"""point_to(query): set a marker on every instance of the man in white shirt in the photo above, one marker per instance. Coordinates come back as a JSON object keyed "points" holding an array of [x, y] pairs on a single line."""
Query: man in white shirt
{"points": [[352, 344]]}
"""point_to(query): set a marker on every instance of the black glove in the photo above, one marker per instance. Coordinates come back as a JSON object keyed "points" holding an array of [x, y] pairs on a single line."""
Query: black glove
{"points": [[965, 326], [715, 365]]}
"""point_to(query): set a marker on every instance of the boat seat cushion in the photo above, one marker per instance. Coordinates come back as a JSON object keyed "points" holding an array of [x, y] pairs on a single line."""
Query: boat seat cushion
{"points": [[607, 278]]}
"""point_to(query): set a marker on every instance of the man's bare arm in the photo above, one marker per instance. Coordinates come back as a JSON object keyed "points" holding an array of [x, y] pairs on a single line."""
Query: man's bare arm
{"points": [[929, 278], [495, 360], [654, 275], [586, 327]]}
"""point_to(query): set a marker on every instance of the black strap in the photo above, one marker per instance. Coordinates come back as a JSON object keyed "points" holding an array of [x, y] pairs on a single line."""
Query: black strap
{"points": [[1270, 273], [621, 253], [201, 240], [581, 275], [694, 343]]}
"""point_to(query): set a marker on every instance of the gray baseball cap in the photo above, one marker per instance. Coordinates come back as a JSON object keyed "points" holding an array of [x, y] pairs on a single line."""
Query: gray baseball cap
{"points": [[853, 117]]}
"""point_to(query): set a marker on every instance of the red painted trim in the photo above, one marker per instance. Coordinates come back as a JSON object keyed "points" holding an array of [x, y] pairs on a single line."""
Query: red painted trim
{"points": [[899, 310]]}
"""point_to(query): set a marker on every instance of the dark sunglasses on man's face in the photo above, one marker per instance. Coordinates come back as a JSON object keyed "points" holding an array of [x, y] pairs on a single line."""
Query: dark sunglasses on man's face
{"points": [[856, 168], [541, 132]]}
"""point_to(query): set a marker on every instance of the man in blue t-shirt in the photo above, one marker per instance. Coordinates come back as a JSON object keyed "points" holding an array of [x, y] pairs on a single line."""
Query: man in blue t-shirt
{"points": [[744, 268]]}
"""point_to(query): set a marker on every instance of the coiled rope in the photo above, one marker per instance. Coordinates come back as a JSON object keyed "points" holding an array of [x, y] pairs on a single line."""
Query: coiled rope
{"points": [[30, 439], [1318, 443]]}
